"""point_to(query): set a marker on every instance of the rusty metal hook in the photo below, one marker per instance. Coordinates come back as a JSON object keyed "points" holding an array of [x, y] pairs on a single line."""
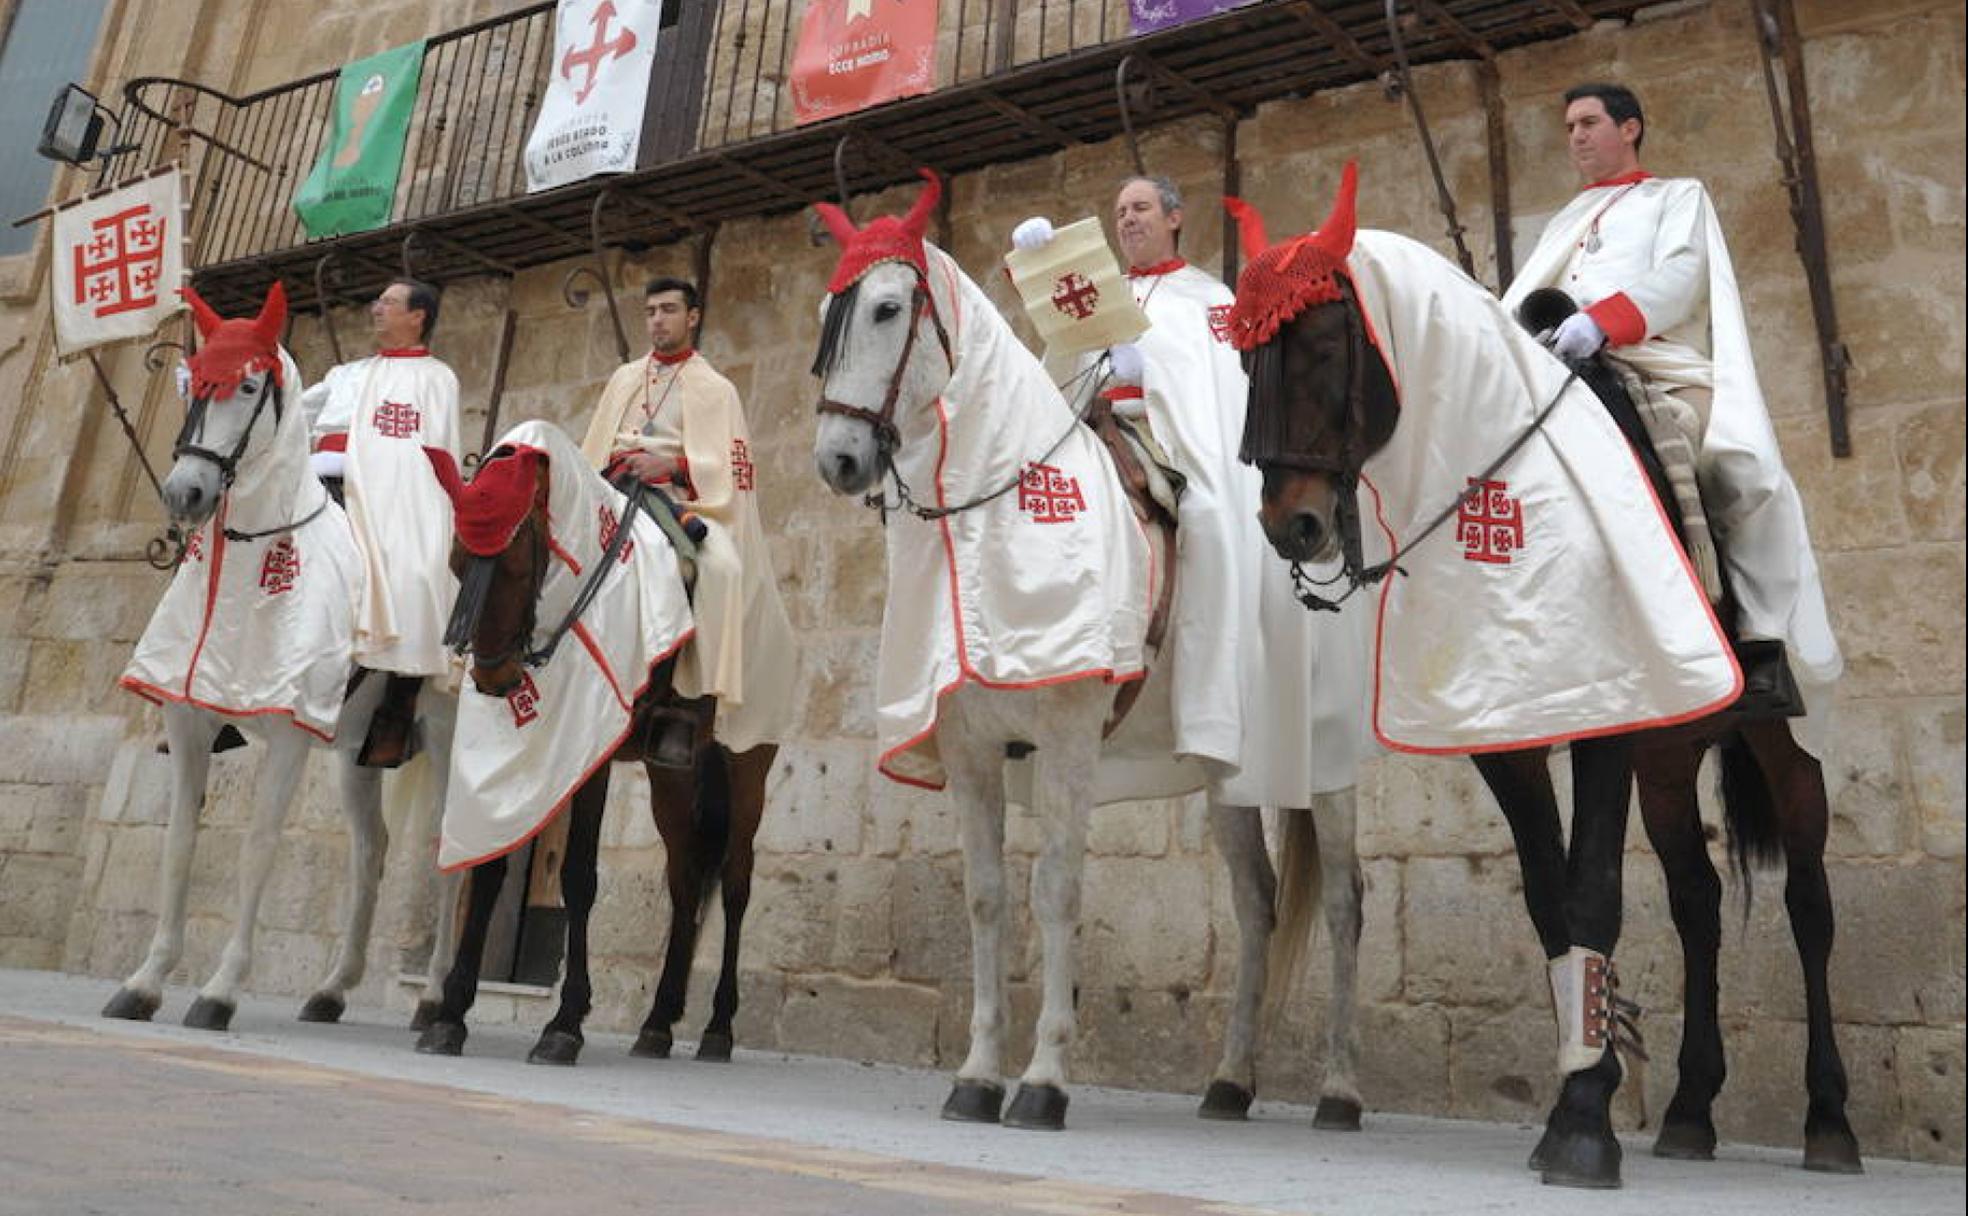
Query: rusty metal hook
{"points": [[410, 240], [321, 297], [1444, 197], [840, 171], [577, 298], [1127, 117]]}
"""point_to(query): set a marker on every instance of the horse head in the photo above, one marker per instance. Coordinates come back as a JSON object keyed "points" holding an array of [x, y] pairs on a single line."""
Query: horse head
{"points": [[883, 350], [236, 375], [500, 557], [1321, 397]]}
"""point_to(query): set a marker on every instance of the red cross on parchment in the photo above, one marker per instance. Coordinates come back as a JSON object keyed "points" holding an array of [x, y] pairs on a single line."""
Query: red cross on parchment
{"points": [[116, 268], [1489, 523], [1075, 296], [1049, 496], [524, 701], [597, 52], [280, 567], [609, 523], [398, 420], [741, 465]]}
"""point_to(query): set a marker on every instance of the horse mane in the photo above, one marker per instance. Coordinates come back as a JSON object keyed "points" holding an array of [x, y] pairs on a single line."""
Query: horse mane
{"points": [[833, 329]]}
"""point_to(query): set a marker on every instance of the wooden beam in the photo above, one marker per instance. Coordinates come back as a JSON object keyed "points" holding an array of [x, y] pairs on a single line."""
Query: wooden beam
{"points": [[1315, 18], [1435, 13]]}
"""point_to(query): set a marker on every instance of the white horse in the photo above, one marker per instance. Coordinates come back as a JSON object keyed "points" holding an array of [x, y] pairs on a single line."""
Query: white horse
{"points": [[923, 382], [254, 632]]}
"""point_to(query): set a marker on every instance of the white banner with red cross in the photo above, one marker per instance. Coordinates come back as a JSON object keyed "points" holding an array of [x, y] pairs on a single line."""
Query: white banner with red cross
{"points": [[118, 262], [591, 118], [1074, 293]]}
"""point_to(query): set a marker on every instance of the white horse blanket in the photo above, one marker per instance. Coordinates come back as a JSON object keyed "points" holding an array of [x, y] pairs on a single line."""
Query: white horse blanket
{"points": [[518, 759]]}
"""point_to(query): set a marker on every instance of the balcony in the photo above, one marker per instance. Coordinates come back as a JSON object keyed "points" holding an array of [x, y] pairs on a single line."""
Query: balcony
{"points": [[1016, 79]]}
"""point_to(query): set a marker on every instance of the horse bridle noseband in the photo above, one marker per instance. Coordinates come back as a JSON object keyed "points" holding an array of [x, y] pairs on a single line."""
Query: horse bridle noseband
{"points": [[228, 462]]}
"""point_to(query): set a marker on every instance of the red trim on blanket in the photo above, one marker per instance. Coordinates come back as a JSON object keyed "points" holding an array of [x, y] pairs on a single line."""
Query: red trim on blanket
{"points": [[155, 695], [213, 570]]}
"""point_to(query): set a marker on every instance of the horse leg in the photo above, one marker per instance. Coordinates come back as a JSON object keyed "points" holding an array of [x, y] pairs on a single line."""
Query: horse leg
{"points": [[1239, 833], [362, 804], [672, 797], [190, 733], [1804, 814], [445, 1036], [746, 790], [1340, 883], [976, 771], [440, 727], [1063, 789], [560, 1042], [1666, 771]]}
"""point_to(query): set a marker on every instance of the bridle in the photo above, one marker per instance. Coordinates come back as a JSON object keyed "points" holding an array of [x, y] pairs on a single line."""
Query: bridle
{"points": [[188, 444]]}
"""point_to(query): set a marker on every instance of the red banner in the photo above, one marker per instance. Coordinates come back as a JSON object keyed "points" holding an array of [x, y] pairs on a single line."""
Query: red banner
{"points": [[853, 54]]}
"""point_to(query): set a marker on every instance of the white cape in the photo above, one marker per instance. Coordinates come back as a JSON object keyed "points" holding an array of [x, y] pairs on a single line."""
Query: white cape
{"points": [[257, 627], [1562, 608], [1047, 583], [518, 759]]}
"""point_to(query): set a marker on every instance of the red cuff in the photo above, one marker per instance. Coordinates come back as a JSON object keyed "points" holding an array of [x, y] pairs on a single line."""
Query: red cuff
{"points": [[1620, 318], [1123, 392], [336, 441]]}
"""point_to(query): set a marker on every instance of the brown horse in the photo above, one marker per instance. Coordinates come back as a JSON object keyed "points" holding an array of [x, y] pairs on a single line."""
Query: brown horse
{"points": [[1324, 399], [707, 810]]}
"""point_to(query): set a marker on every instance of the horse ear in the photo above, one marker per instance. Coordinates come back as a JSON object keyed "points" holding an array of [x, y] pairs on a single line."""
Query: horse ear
{"points": [[273, 315], [1250, 225], [916, 223], [1335, 236], [837, 223], [201, 313]]}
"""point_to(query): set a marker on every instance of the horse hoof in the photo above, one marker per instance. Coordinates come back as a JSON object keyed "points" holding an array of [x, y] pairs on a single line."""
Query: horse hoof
{"points": [[974, 1102], [442, 1039], [1831, 1148], [1591, 1162], [425, 1015], [131, 1005], [715, 1047], [653, 1044], [555, 1047], [208, 1014], [1225, 1100], [1337, 1115], [1685, 1140], [1040, 1108], [323, 1007]]}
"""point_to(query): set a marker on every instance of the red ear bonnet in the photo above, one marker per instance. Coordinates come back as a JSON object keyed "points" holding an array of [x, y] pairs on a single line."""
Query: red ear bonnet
{"points": [[235, 349], [1284, 280], [885, 239]]}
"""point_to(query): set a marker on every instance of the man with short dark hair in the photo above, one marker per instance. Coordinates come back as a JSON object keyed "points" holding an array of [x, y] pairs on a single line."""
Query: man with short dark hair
{"points": [[378, 423], [671, 420]]}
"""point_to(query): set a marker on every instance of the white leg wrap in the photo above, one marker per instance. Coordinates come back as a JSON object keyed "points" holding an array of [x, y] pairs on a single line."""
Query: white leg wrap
{"points": [[1582, 1002]]}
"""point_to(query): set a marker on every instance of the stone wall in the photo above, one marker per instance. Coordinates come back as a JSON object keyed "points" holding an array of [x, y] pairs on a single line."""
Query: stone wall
{"points": [[857, 944]]}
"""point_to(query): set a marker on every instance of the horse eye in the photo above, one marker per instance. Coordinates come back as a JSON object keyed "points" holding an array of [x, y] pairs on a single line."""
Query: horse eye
{"points": [[887, 310]]}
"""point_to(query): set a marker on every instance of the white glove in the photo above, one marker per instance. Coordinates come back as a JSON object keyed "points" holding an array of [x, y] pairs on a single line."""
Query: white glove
{"points": [[1124, 359], [1577, 337], [328, 464], [1034, 233]]}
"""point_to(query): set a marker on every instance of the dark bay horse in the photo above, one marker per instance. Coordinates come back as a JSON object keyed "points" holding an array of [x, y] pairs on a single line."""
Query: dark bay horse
{"points": [[707, 808], [1326, 397]]}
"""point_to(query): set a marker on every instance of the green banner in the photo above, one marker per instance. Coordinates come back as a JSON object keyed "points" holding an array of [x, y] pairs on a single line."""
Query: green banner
{"points": [[353, 186]]}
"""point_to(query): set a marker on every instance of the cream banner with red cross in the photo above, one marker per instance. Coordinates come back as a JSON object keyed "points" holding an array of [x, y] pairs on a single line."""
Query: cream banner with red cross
{"points": [[1074, 293], [118, 263], [597, 87]]}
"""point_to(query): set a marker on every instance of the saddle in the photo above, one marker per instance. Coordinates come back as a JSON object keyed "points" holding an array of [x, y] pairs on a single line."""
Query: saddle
{"points": [[1154, 490]]}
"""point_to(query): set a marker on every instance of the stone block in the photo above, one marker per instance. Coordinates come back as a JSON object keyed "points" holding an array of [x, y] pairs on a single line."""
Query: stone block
{"points": [[903, 819], [837, 683], [1930, 442], [1422, 805], [1929, 1064], [60, 814], [1935, 732], [1466, 939], [99, 601], [931, 925], [1850, 502], [795, 903], [1162, 1039], [857, 577], [20, 805], [632, 905], [73, 749], [860, 1020], [1866, 780], [1503, 1066], [815, 798], [1404, 1059], [1764, 1099], [37, 894], [130, 871], [865, 935], [14, 653], [1908, 642], [1131, 829], [1145, 923]]}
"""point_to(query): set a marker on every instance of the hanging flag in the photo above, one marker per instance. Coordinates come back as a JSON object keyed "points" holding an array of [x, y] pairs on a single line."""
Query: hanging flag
{"points": [[1147, 16], [1074, 292], [591, 119], [353, 185], [118, 262], [853, 54]]}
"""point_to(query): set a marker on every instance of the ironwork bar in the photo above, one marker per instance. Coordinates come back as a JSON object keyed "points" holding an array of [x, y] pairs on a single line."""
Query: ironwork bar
{"points": [[1490, 84]]}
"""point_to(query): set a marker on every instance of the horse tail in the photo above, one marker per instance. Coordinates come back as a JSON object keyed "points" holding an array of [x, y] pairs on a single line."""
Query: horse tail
{"points": [[710, 824], [1299, 895], [1749, 814]]}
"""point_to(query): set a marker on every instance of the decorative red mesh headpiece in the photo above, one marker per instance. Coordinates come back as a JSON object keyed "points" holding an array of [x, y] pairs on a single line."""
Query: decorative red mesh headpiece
{"points": [[233, 350], [489, 510], [885, 239], [1281, 281]]}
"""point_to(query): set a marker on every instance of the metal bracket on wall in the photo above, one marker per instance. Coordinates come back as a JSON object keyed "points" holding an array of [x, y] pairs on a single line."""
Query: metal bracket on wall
{"points": [[577, 297], [1778, 45], [1444, 198], [321, 265]]}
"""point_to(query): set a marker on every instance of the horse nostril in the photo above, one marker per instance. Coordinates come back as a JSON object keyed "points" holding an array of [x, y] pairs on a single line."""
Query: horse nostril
{"points": [[846, 468], [1306, 531]]}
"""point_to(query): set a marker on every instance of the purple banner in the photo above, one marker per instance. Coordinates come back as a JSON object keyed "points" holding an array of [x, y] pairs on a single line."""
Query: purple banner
{"points": [[1147, 16]]}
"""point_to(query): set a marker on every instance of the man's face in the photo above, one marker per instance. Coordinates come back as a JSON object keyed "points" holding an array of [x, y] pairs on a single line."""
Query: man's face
{"points": [[1600, 147], [395, 324], [1146, 232], [671, 322]]}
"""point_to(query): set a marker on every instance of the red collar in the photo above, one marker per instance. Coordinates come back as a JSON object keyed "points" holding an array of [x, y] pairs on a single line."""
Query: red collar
{"points": [[405, 352], [1159, 268], [1624, 179], [682, 356]]}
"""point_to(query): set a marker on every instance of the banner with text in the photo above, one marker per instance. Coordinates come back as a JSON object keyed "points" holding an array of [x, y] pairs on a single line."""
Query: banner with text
{"points": [[1147, 16], [853, 54], [591, 119], [353, 185]]}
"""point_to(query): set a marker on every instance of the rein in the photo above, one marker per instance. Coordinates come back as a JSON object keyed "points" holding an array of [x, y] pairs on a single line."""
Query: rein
{"points": [[591, 587], [228, 462]]}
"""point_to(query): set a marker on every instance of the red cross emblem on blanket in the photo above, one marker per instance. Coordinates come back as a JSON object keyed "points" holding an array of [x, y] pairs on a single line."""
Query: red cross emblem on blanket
{"points": [[1489, 523], [398, 420], [610, 522], [280, 567], [1049, 496], [524, 701], [741, 465], [195, 547], [116, 267], [1219, 322], [1075, 295], [596, 53]]}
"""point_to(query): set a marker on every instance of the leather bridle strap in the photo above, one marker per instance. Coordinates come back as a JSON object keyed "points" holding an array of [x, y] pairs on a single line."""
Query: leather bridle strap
{"points": [[887, 437]]}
